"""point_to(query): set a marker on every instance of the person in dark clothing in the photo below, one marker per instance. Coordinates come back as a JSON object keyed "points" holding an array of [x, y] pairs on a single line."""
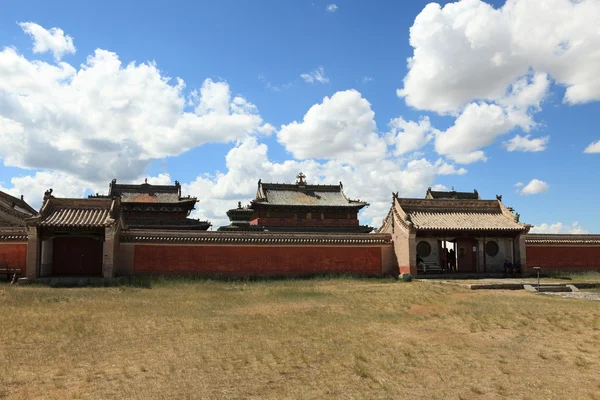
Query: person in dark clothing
{"points": [[508, 267], [452, 259]]}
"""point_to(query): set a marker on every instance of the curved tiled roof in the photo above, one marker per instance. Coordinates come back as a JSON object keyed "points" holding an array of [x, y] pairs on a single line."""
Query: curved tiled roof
{"points": [[76, 213], [457, 215], [77, 217], [280, 194]]}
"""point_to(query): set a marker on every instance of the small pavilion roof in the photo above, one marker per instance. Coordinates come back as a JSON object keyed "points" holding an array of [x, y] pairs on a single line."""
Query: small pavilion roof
{"points": [[457, 215], [302, 194]]}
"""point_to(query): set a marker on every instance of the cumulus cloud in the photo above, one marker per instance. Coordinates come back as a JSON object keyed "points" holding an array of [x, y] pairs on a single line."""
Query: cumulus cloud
{"points": [[594, 147], [469, 50], [535, 186], [444, 168], [332, 8], [84, 125], [524, 143], [474, 61], [341, 127], [409, 136], [52, 40], [317, 75], [104, 119], [559, 227]]}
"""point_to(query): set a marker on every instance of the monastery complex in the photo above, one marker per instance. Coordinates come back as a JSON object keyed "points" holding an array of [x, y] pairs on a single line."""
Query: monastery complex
{"points": [[294, 229]]}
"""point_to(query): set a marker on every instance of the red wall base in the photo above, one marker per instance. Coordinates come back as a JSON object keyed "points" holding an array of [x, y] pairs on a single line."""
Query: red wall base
{"points": [[15, 254], [242, 261], [564, 258]]}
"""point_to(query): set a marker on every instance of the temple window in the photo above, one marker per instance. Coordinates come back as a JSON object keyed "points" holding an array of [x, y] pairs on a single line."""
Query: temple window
{"points": [[423, 248], [492, 248]]}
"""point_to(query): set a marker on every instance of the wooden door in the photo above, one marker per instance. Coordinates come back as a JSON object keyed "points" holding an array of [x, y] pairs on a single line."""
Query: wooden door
{"points": [[77, 256], [466, 254]]}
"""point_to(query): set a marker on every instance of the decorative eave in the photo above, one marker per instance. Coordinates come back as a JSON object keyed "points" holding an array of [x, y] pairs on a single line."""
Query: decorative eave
{"points": [[18, 234], [561, 239], [250, 238]]}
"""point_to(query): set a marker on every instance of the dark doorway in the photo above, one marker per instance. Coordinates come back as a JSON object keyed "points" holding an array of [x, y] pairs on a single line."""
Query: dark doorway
{"points": [[466, 254], [77, 256]]}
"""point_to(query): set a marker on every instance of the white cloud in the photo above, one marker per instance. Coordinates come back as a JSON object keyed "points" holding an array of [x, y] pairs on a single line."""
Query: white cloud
{"points": [[105, 119], [317, 75], [332, 8], [478, 126], [341, 127], [469, 51], [519, 184], [476, 62], [53, 40], [594, 147], [535, 186], [559, 227], [409, 136], [523, 143], [366, 79], [444, 168]]}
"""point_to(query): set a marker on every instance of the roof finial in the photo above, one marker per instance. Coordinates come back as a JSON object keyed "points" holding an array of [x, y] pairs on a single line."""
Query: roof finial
{"points": [[300, 178], [453, 188], [146, 180]]}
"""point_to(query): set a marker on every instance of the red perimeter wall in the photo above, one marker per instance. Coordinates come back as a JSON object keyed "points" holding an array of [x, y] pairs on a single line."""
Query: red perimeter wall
{"points": [[564, 258], [241, 261], [15, 254]]}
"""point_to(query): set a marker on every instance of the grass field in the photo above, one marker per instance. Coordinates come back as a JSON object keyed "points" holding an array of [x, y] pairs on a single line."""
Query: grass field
{"points": [[300, 339]]}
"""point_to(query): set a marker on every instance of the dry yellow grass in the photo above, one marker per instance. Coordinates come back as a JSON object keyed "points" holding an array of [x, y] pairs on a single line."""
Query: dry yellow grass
{"points": [[304, 339]]}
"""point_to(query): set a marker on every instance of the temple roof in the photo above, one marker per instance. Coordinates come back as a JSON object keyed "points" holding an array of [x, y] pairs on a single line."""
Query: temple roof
{"points": [[452, 195], [457, 215], [13, 210], [302, 194], [76, 213], [146, 193]]}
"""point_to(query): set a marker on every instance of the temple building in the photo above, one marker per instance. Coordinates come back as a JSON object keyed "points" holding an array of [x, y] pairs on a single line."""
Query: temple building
{"points": [[14, 211], [239, 220], [301, 207], [454, 231], [147, 206]]}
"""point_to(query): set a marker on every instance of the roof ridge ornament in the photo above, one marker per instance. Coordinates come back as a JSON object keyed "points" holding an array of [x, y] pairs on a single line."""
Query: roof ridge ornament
{"points": [[300, 179]]}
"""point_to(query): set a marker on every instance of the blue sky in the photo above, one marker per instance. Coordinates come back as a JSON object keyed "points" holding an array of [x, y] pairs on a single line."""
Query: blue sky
{"points": [[482, 75]]}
